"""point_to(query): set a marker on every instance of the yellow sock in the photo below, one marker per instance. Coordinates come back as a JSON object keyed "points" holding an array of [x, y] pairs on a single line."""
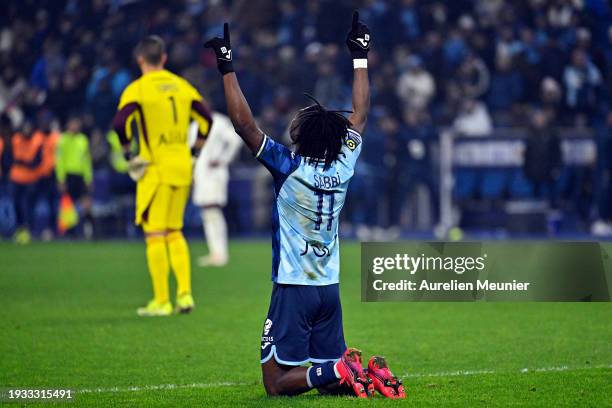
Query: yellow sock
{"points": [[157, 259], [180, 261]]}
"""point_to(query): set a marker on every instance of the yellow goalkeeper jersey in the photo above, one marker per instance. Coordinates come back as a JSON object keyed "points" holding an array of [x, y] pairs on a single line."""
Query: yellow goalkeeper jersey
{"points": [[159, 106]]}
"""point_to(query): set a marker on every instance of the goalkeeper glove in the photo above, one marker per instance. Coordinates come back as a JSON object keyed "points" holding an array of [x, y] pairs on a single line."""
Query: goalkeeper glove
{"points": [[137, 167], [223, 51], [358, 39]]}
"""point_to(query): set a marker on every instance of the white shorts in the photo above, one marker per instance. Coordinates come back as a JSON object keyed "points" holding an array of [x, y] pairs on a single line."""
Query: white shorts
{"points": [[210, 187]]}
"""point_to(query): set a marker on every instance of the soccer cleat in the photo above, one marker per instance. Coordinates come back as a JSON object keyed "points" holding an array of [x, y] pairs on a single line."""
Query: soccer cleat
{"points": [[184, 303], [383, 379], [155, 309], [351, 373]]}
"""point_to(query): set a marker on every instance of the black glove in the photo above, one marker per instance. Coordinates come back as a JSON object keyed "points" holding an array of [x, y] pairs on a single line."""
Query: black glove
{"points": [[358, 39], [223, 51]]}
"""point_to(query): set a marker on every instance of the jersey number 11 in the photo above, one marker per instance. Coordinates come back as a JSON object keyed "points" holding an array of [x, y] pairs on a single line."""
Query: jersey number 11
{"points": [[321, 194]]}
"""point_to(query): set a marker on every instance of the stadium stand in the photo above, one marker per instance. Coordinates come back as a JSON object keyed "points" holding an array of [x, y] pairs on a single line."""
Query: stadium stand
{"points": [[483, 69]]}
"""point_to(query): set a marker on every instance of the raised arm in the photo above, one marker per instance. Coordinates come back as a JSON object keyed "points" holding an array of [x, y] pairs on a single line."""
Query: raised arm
{"points": [[237, 107], [358, 42], [240, 113]]}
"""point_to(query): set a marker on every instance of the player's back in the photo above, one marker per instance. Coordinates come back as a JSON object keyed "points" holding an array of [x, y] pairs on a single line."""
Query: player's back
{"points": [[165, 102], [306, 211]]}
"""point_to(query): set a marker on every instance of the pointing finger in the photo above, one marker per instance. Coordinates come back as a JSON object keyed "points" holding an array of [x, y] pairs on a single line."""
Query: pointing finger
{"points": [[355, 19]]}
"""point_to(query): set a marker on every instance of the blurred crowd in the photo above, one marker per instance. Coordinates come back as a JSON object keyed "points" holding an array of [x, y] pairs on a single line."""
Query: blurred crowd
{"points": [[468, 65]]}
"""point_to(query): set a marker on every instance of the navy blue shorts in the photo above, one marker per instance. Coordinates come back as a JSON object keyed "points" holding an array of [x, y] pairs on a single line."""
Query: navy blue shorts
{"points": [[304, 325]]}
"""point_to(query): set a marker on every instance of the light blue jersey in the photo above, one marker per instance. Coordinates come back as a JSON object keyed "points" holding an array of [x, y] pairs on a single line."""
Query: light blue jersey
{"points": [[306, 211]]}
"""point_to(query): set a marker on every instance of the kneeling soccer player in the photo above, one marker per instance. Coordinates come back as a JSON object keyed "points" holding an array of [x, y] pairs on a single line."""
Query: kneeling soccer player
{"points": [[304, 322]]}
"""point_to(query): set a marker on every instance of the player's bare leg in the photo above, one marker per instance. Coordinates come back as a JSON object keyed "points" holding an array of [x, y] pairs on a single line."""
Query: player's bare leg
{"points": [[335, 389], [284, 380]]}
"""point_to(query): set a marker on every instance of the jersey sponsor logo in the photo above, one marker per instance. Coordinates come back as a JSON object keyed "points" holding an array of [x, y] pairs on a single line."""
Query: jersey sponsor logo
{"points": [[318, 249], [352, 141], [173, 138]]}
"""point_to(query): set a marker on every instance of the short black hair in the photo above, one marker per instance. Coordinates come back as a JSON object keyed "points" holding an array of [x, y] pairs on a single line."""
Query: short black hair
{"points": [[319, 133], [151, 48]]}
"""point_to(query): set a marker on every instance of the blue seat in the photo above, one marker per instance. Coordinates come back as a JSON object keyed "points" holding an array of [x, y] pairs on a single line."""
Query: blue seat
{"points": [[494, 183], [520, 186], [466, 181], [565, 180]]}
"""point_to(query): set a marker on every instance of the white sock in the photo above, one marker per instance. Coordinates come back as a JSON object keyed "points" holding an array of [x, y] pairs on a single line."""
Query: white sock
{"points": [[215, 230]]}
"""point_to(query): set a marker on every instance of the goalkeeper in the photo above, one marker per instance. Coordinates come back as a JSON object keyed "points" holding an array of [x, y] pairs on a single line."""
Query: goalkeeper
{"points": [[159, 106]]}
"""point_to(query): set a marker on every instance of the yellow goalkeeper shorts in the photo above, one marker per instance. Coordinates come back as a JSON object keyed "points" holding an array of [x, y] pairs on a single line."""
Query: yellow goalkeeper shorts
{"points": [[161, 207]]}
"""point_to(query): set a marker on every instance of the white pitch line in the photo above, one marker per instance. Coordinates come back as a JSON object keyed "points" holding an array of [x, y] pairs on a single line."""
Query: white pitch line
{"points": [[140, 388], [137, 388], [521, 371]]}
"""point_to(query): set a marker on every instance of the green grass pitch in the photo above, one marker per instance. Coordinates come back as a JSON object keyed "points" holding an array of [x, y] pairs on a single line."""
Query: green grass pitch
{"points": [[68, 320]]}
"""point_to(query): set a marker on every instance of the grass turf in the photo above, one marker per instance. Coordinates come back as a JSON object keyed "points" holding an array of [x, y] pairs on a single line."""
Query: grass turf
{"points": [[67, 318]]}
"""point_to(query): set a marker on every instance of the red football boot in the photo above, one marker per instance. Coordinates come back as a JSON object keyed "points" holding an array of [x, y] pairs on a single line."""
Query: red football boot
{"points": [[351, 373], [383, 379]]}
